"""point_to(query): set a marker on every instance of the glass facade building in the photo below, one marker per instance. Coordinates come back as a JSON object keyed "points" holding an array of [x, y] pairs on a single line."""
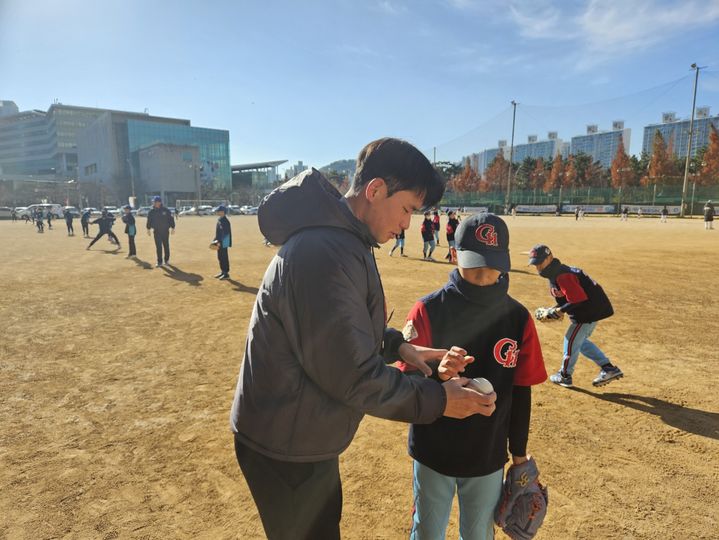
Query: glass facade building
{"points": [[677, 133], [213, 146], [537, 149], [601, 146]]}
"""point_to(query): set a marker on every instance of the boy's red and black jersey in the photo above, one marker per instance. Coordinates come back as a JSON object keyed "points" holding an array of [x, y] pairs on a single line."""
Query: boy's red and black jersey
{"points": [[578, 295], [452, 225], [427, 230], [500, 333]]}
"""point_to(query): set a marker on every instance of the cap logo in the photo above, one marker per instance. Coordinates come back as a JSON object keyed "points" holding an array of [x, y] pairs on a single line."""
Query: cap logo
{"points": [[486, 234]]}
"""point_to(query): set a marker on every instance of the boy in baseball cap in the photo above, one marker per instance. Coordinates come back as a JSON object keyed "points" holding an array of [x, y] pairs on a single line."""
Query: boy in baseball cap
{"points": [[496, 339], [586, 303]]}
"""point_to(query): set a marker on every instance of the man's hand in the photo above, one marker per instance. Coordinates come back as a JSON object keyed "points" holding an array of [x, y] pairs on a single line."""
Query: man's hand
{"points": [[453, 363], [418, 356], [463, 402]]}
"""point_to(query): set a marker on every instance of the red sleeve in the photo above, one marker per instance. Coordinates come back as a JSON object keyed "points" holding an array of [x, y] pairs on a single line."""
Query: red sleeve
{"points": [[417, 331], [530, 364], [571, 288]]}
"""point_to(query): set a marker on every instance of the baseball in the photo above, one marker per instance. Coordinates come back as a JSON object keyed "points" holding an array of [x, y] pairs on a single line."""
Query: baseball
{"points": [[481, 385]]}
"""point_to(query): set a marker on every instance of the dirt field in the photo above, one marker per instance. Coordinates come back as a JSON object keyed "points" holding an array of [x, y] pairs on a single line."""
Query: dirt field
{"points": [[116, 380]]}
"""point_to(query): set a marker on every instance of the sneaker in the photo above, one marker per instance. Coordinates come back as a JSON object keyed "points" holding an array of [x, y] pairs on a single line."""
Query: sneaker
{"points": [[224, 276], [561, 379], [608, 375], [403, 255], [219, 275], [431, 259], [158, 265]]}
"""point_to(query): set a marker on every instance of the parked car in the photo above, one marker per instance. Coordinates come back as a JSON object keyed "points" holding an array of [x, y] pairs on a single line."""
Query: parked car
{"points": [[55, 209], [234, 209], [143, 211], [5, 212], [93, 211], [249, 210], [74, 211], [202, 210], [113, 210]]}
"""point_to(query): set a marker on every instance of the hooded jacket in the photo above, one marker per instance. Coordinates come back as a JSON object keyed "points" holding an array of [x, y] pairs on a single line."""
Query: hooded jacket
{"points": [[317, 346]]}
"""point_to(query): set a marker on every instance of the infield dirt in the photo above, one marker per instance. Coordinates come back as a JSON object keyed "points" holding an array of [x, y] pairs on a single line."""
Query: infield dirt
{"points": [[116, 380]]}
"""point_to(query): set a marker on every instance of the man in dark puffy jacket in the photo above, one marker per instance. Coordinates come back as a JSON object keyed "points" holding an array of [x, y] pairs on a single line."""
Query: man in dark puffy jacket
{"points": [[317, 347], [160, 220], [586, 303]]}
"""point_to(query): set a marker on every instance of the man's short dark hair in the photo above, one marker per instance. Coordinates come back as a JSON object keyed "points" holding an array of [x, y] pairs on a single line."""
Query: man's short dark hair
{"points": [[403, 168]]}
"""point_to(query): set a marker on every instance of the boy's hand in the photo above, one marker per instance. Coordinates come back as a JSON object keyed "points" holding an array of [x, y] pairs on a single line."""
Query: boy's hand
{"points": [[463, 402], [418, 356], [453, 363]]}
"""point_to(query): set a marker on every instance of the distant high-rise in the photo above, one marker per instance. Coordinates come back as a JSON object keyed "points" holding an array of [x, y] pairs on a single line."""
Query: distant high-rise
{"points": [[536, 149], [602, 146], [676, 132], [114, 149]]}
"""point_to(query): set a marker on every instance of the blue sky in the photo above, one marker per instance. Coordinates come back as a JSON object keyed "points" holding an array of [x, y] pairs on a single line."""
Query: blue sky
{"points": [[316, 80]]}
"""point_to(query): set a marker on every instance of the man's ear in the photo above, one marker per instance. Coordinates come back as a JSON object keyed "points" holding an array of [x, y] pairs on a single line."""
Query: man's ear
{"points": [[375, 188]]}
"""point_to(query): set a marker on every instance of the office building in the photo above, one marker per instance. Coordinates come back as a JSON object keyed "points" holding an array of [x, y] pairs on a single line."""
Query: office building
{"points": [[262, 175], [124, 152], [602, 146], [676, 132]]}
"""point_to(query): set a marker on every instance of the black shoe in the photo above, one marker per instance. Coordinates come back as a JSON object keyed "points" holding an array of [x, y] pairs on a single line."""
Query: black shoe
{"points": [[219, 275], [224, 276]]}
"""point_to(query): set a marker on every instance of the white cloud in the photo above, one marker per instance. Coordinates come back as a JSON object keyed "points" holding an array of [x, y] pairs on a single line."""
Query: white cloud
{"points": [[603, 28], [389, 7]]}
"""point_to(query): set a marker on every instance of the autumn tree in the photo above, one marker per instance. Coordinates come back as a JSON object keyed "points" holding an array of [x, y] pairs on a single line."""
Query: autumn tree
{"points": [[709, 171], [660, 164], [497, 173], [593, 174], [538, 176], [622, 171], [467, 181], [570, 174], [554, 180]]}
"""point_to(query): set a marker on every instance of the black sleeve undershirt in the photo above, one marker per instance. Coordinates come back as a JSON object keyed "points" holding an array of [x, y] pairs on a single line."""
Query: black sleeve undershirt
{"points": [[519, 420]]}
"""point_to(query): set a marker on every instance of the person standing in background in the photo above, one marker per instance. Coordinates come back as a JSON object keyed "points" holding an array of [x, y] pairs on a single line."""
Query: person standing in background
{"points": [[223, 237], [160, 220], [129, 220]]}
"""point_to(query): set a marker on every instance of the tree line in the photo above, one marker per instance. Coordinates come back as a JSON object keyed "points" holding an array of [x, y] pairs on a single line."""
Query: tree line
{"points": [[661, 167]]}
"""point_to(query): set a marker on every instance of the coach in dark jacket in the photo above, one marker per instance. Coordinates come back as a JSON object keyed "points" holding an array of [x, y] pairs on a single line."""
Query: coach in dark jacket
{"points": [[160, 220], [317, 346]]}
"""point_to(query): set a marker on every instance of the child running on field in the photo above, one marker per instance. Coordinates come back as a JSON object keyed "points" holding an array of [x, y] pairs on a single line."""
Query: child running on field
{"points": [[474, 311]]}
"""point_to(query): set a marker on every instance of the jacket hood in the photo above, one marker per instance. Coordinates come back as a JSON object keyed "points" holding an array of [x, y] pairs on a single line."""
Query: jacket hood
{"points": [[307, 200]]}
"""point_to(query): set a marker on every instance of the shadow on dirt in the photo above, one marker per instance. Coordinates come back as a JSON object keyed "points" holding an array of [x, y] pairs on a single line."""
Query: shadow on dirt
{"points": [[174, 272], [694, 421]]}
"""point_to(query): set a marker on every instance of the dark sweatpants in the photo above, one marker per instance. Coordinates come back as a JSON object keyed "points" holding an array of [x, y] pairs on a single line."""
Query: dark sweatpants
{"points": [[162, 240], [70, 229], [224, 259], [296, 501], [101, 234], [85, 228], [131, 242]]}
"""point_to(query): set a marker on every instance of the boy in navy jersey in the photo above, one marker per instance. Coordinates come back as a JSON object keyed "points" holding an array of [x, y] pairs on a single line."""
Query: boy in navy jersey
{"points": [[474, 311], [586, 303]]}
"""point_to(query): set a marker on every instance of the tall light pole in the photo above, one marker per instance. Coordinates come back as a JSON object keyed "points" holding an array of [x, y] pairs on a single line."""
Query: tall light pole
{"points": [[511, 152], [696, 69]]}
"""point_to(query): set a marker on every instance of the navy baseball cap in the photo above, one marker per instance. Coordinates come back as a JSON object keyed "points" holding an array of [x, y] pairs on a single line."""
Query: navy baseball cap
{"points": [[157, 198], [539, 253], [221, 208], [127, 207], [483, 241]]}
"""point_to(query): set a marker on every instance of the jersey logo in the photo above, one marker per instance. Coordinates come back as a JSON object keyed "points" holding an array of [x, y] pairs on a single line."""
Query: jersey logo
{"points": [[409, 332], [486, 234], [506, 352]]}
